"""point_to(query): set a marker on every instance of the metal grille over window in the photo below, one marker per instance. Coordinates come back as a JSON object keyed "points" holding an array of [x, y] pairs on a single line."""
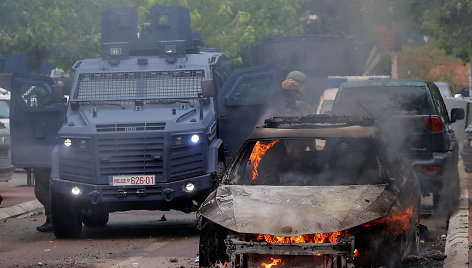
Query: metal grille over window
{"points": [[126, 85], [173, 83], [108, 86], [251, 92]]}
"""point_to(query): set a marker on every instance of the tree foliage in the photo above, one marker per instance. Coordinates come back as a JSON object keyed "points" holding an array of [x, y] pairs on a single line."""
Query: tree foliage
{"points": [[51, 30], [447, 23], [431, 63], [63, 31]]}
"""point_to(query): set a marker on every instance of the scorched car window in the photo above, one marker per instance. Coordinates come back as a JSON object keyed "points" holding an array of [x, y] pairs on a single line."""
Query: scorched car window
{"points": [[372, 101], [307, 162]]}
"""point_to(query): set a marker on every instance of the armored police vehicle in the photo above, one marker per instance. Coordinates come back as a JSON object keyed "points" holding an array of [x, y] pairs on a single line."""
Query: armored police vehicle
{"points": [[144, 125]]}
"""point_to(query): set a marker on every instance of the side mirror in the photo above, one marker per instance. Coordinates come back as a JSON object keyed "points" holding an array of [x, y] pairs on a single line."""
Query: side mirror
{"points": [[208, 88], [457, 114]]}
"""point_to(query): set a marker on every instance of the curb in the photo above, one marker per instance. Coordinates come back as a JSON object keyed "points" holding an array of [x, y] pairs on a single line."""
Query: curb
{"points": [[20, 209], [457, 240]]}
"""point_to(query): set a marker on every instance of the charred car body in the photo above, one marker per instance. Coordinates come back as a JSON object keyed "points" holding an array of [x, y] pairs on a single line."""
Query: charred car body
{"points": [[412, 114], [139, 131], [311, 191]]}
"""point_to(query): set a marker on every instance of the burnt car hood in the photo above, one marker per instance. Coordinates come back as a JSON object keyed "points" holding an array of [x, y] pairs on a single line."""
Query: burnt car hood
{"points": [[296, 210]]}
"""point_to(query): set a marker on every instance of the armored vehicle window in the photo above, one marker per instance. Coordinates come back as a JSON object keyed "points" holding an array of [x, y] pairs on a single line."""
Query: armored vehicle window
{"points": [[163, 19], [308, 162], [4, 109], [173, 83], [34, 95], [368, 101], [125, 85], [250, 92], [108, 85]]}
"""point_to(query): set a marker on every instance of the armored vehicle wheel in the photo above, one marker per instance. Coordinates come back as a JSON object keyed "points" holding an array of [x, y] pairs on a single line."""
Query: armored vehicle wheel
{"points": [[66, 219], [212, 248], [96, 217]]}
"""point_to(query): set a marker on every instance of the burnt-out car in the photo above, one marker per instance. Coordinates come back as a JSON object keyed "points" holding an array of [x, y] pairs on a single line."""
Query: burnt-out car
{"points": [[304, 193]]}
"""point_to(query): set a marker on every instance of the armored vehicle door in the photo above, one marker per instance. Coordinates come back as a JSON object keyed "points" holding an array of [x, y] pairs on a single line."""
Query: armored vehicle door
{"points": [[36, 114], [245, 101]]}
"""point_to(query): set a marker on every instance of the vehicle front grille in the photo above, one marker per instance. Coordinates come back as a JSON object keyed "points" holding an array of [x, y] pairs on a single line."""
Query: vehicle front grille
{"points": [[76, 164], [130, 127], [130, 155], [186, 162], [4, 154]]}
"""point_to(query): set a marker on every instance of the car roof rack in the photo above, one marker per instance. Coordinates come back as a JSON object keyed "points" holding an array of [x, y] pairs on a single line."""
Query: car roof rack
{"points": [[318, 121]]}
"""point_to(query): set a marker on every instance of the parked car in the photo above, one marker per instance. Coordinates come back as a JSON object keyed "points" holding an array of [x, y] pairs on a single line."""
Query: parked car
{"points": [[311, 191], [412, 114], [444, 89], [6, 168], [467, 149], [326, 101]]}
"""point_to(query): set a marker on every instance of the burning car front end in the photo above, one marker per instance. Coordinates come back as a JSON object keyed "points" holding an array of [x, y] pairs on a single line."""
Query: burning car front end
{"points": [[297, 226], [295, 201]]}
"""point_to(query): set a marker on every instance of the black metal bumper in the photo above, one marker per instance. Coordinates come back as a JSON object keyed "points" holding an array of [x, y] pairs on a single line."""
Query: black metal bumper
{"points": [[161, 196]]}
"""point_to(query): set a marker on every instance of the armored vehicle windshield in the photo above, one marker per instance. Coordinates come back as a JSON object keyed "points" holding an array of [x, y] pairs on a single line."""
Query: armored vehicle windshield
{"points": [[139, 85]]}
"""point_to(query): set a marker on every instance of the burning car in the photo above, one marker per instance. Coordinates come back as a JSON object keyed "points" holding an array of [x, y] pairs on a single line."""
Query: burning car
{"points": [[314, 191]]}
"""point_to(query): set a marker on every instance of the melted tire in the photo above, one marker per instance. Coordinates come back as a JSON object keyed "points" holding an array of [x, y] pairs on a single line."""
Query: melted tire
{"points": [[66, 219]]}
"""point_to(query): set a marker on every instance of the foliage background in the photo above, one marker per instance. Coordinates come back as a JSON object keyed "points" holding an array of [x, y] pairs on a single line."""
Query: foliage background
{"points": [[63, 31]]}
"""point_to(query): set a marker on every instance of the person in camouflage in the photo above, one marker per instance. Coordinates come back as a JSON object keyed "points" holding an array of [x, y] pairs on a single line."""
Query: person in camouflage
{"points": [[41, 191], [294, 97]]}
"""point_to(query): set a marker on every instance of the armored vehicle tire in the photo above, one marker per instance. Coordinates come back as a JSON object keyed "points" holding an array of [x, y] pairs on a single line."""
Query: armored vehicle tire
{"points": [[212, 248], [66, 219], [96, 218]]}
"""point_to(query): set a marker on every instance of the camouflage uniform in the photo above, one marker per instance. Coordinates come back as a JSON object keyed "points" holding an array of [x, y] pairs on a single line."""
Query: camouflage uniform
{"points": [[294, 95], [41, 191]]}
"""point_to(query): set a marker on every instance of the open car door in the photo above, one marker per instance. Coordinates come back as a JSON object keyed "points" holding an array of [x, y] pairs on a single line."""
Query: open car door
{"points": [[36, 114], [244, 102]]}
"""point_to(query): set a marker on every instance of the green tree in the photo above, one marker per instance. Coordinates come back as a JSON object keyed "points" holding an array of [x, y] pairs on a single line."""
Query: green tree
{"points": [[237, 25], [447, 23], [58, 31]]}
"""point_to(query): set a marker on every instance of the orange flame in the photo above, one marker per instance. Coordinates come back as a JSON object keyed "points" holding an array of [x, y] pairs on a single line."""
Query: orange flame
{"points": [[398, 222], [256, 155], [356, 253], [275, 262], [316, 238], [218, 264]]}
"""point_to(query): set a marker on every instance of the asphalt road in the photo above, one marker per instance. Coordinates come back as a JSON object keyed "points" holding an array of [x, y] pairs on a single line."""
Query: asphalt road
{"points": [[130, 239], [142, 239]]}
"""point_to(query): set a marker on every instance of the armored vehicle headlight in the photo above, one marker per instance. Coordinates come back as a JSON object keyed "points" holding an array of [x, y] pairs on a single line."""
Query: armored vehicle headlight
{"points": [[195, 138], [189, 187], [83, 144], [75, 190], [178, 140], [67, 142]]}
